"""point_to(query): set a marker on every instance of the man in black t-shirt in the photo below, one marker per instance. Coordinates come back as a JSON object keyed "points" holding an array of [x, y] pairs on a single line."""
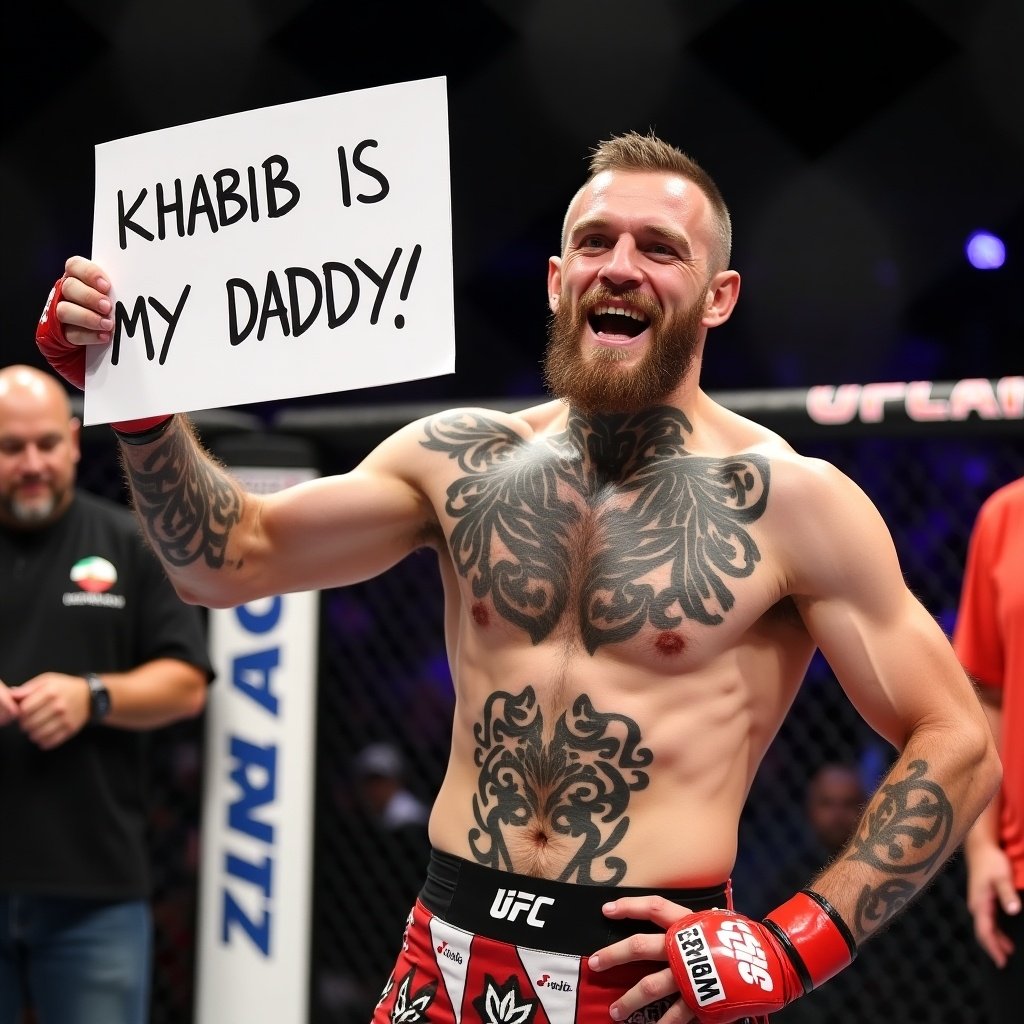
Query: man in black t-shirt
{"points": [[95, 649]]}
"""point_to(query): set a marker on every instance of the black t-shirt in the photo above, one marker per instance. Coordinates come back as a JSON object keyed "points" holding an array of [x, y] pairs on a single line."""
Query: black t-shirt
{"points": [[83, 595]]}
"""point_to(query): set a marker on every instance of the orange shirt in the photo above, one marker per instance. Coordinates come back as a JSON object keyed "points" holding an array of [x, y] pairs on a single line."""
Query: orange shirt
{"points": [[989, 641]]}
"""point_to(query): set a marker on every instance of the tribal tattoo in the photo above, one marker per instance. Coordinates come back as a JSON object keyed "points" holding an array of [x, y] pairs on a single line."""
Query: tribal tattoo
{"points": [[905, 833], [626, 482], [188, 508], [575, 784]]}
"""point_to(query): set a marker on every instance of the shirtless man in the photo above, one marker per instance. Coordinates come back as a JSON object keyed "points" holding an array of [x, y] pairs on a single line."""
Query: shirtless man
{"points": [[636, 579]]}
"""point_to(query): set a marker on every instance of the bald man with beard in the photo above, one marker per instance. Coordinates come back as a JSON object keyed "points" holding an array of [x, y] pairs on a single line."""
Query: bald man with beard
{"points": [[95, 649]]}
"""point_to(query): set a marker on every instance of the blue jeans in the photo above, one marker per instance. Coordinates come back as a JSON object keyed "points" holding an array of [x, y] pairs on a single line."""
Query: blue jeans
{"points": [[74, 961]]}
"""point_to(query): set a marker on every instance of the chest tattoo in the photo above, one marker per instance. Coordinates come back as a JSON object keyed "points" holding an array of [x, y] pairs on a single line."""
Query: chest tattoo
{"points": [[575, 783], [596, 513]]}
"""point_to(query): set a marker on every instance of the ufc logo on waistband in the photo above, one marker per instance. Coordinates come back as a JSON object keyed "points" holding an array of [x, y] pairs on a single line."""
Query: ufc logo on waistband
{"points": [[509, 903]]}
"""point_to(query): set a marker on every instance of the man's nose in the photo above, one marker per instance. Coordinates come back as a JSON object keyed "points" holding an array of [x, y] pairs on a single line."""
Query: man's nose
{"points": [[32, 459], [622, 268]]}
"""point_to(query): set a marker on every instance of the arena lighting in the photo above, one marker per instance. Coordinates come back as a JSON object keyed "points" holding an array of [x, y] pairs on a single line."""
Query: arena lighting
{"points": [[985, 251]]}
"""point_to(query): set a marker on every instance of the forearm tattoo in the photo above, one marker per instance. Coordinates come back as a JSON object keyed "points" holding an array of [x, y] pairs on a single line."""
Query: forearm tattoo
{"points": [[576, 784], [904, 835], [187, 506], [591, 514]]}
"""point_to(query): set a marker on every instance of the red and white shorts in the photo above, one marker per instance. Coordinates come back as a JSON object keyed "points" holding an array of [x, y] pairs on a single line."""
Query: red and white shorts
{"points": [[489, 946]]}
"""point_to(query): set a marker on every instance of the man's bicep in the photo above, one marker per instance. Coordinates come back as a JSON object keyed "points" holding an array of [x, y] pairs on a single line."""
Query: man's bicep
{"points": [[340, 529], [893, 661], [885, 648]]}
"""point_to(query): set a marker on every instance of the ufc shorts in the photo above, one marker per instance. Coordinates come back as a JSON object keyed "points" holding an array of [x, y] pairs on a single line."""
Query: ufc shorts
{"points": [[489, 947]]}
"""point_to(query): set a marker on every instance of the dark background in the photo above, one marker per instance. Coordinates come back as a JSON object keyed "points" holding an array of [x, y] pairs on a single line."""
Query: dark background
{"points": [[858, 144]]}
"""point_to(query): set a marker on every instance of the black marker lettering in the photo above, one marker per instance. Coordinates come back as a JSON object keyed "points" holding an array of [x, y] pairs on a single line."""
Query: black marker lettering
{"points": [[201, 204], [357, 162], [301, 324], [273, 305], [175, 206], [125, 222], [226, 185], [171, 318], [233, 286], [334, 318], [381, 282], [279, 182]]}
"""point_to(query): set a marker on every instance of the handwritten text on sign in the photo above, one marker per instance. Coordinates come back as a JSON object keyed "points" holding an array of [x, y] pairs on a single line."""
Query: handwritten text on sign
{"points": [[295, 250]]}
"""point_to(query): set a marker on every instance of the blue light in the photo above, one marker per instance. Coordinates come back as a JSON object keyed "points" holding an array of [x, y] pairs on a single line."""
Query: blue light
{"points": [[985, 251]]}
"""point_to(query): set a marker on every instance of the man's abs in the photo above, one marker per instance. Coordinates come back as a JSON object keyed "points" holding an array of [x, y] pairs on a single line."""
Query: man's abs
{"points": [[592, 771]]}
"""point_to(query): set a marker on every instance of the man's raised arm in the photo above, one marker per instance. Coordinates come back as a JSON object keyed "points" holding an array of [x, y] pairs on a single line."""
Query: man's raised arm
{"points": [[222, 546]]}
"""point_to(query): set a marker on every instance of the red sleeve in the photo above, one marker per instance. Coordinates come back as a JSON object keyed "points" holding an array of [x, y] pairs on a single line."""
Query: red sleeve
{"points": [[976, 636]]}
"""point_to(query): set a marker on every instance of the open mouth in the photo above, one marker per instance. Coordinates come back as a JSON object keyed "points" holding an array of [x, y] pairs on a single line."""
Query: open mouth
{"points": [[616, 322]]}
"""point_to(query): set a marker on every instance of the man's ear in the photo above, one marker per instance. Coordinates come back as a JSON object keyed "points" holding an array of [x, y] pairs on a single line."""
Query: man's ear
{"points": [[723, 292], [554, 282], [76, 437]]}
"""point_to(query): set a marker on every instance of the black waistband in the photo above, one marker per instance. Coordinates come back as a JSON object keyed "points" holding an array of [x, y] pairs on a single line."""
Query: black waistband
{"points": [[558, 916]]}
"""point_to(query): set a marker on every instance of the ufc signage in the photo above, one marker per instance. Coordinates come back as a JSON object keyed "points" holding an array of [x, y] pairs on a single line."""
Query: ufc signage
{"points": [[510, 903], [918, 400]]}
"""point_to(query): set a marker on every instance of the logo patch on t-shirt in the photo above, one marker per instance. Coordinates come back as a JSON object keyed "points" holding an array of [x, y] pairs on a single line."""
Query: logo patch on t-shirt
{"points": [[94, 574]]}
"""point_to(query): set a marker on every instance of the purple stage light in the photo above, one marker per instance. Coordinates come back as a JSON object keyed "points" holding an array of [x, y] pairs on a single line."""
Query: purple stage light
{"points": [[985, 251]]}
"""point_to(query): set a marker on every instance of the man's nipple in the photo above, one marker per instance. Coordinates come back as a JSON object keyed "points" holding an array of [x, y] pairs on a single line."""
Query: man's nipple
{"points": [[669, 643], [481, 616]]}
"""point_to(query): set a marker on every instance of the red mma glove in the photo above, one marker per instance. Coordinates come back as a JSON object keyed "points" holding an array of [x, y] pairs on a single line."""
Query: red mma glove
{"points": [[69, 361], [729, 967]]}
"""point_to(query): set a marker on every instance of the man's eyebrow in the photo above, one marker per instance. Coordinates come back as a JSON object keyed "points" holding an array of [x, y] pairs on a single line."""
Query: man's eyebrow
{"points": [[48, 438], [588, 224]]}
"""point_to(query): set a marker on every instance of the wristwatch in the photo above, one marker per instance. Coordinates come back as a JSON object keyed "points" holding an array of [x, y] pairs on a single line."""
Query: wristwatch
{"points": [[99, 697]]}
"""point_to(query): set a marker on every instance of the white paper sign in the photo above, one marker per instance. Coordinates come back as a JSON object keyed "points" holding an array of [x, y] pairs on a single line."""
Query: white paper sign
{"points": [[294, 250]]}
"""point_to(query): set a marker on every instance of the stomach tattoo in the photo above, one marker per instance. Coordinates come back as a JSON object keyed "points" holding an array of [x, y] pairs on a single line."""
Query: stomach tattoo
{"points": [[568, 781]]}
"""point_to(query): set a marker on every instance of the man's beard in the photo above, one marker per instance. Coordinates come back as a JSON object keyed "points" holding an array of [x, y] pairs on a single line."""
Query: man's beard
{"points": [[35, 513], [599, 384]]}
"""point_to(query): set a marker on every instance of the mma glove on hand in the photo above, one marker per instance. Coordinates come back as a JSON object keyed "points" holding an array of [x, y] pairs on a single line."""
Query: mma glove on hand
{"points": [[729, 967], [69, 361]]}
